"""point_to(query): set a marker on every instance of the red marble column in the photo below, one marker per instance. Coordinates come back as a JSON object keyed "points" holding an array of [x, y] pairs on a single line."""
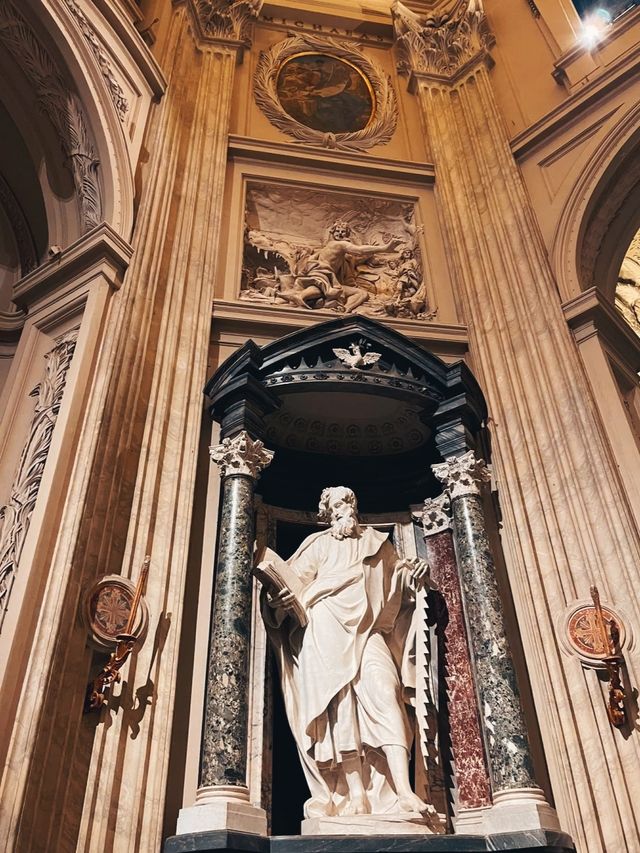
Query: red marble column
{"points": [[472, 778]]}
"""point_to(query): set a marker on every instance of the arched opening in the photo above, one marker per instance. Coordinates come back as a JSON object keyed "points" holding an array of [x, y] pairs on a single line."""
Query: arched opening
{"points": [[595, 248], [23, 219]]}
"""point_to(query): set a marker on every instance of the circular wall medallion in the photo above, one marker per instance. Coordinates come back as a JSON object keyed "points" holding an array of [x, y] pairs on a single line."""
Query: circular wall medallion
{"points": [[325, 93], [580, 633], [107, 606], [585, 633]]}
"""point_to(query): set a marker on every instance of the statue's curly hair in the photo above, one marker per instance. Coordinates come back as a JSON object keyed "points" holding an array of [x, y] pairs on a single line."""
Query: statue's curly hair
{"points": [[324, 508], [339, 223]]}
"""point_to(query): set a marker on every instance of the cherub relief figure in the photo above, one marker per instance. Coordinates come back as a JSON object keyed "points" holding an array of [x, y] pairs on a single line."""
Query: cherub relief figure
{"points": [[347, 675]]}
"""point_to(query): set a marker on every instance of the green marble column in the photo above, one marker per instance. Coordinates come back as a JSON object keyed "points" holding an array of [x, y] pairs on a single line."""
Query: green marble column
{"points": [[500, 708], [224, 737]]}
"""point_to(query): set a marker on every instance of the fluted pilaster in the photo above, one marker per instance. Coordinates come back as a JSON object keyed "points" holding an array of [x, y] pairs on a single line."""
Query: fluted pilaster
{"points": [[134, 495], [566, 518]]}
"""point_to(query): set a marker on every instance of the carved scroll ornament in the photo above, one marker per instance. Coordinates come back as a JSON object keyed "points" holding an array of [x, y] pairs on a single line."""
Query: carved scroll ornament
{"points": [[445, 40], [115, 89], [384, 118], [61, 106], [15, 515]]}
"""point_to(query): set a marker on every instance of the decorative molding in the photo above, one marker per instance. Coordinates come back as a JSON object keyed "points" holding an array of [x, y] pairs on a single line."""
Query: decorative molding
{"points": [[350, 163], [435, 516], [228, 19], [15, 515], [62, 107], [115, 89], [25, 244], [380, 128], [462, 475], [236, 321], [534, 9], [241, 455], [444, 41]]}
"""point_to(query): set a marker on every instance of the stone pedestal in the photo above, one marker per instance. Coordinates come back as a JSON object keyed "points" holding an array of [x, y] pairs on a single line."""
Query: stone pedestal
{"points": [[391, 824], [537, 841]]}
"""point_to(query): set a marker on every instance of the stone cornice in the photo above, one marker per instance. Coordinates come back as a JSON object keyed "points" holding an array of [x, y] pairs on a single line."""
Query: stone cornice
{"points": [[234, 321], [100, 248], [442, 44], [315, 157], [592, 314]]}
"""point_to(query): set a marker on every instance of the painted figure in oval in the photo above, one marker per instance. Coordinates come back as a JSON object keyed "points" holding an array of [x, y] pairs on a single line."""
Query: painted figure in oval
{"points": [[348, 675]]}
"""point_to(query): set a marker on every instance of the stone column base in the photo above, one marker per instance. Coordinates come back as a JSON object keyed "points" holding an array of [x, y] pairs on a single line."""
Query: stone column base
{"points": [[222, 807], [518, 810], [471, 821]]}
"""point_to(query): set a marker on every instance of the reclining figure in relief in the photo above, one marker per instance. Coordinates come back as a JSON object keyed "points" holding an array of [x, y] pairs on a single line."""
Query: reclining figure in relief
{"points": [[341, 275], [348, 674]]}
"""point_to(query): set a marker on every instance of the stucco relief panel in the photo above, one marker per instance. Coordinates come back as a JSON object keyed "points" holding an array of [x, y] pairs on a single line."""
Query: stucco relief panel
{"points": [[344, 252]]}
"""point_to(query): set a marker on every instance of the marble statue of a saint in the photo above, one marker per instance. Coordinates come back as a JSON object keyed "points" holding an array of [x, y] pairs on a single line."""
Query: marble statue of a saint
{"points": [[347, 675]]}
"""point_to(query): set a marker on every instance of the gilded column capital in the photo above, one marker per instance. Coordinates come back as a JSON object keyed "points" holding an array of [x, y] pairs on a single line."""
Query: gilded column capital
{"points": [[462, 475], [227, 20], [453, 35], [241, 455], [435, 516]]}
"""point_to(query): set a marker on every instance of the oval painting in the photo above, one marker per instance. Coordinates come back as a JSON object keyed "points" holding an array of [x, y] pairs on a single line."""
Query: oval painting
{"points": [[325, 93]]}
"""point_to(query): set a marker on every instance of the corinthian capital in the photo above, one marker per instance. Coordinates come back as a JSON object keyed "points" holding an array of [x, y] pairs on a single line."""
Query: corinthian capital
{"points": [[462, 475], [241, 455], [435, 516], [450, 36], [227, 19]]}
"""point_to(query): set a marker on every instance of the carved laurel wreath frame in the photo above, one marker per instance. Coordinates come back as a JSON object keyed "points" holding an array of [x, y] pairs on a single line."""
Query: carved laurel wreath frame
{"points": [[378, 130]]}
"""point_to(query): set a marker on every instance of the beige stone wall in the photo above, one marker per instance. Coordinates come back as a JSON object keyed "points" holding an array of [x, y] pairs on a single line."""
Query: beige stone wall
{"points": [[128, 471]]}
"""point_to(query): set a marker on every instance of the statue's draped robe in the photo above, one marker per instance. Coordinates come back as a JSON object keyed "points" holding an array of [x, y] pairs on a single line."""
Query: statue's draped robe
{"points": [[344, 676]]}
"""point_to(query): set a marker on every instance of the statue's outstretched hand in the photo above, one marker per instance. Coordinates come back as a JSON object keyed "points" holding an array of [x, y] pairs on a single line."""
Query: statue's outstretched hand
{"points": [[418, 570]]}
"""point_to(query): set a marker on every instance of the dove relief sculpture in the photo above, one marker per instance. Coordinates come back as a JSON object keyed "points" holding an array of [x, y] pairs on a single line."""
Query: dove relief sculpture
{"points": [[354, 358]]}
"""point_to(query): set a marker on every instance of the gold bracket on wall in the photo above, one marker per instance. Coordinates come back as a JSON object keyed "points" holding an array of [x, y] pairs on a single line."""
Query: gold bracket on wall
{"points": [[125, 640], [597, 634]]}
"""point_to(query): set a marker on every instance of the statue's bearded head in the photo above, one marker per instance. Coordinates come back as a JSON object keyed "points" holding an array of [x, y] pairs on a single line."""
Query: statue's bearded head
{"points": [[339, 508], [340, 230]]}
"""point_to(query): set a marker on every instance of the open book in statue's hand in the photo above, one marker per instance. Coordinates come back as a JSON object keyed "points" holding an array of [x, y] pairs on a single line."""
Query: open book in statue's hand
{"points": [[278, 577]]}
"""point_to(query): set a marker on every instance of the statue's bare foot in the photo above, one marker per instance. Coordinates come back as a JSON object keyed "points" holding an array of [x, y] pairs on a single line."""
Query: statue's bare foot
{"points": [[412, 803], [357, 805]]}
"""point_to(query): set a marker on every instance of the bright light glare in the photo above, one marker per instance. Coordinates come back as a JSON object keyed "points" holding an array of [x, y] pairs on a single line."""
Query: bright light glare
{"points": [[594, 28]]}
